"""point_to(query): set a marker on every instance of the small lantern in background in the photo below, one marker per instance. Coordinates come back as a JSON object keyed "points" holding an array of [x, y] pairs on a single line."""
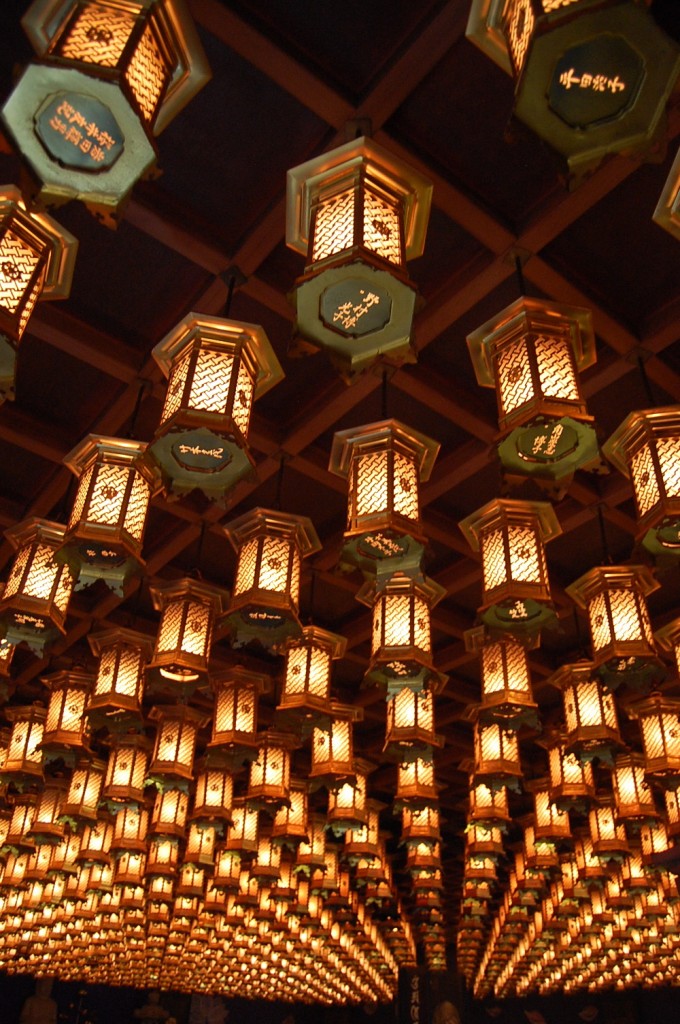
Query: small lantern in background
{"points": [[421, 825], [507, 697], [531, 352], [496, 756], [591, 720], [38, 590], [130, 829], [311, 853], [125, 69], [572, 781], [646, 448], [659, 719], [347, 804], [488, 807], [126, 770], [242, 833], [590, 81], [510, 536], [265, 600], [85, 790], [105, 531], [550, 822], [23, 761], [170, 813], [269, 780], [189, 609], [401, 641], [607, 835], [47, 829], [416, 785], [116, 698], [37, 258], [333, 748], [213, 796], [357, 213], [66, 734], [620, 631], [633, 796], [410, 726], [668, 639], [289, 827], [384, 464], [177, 733], [234, 722], [216, 368], [305, 697]]}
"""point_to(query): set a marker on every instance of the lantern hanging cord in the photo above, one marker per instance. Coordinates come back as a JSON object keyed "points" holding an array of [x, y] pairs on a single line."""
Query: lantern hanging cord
{"points": [[231, 285], [199, 550], [606, 557], [646, 382], [279, 482], [144, 386], [521, 284]]}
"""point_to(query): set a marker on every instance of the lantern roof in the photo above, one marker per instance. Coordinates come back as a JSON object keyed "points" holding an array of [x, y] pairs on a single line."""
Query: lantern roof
{"points": [[62, 246], [35, 529], [510, 510], [600, 576], [236, 674], [400, 583], [315, 635], [341, 166], [120, 450], [106, 638], [373, 436], [659, 422], [263, 521], [165, 591], [68, 677], [577, 672]]}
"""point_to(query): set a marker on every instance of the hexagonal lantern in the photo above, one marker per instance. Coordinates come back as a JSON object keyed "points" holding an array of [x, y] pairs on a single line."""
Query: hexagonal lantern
{"points": [[269, 780], [659, 718], [667, 212], [646, 448], [496, 756], [189, 609], [357, 213], [488, 807], [410, 726], [216, 368], [416, 785], [85, 789], [126, 770], [270, 547], [116, 699], [531, 353], [23, 762], [607, 835], [66, 727], [347, 804], [572, 781], [621, 633], [111, 74], [37, 257], [103, 540], [35, 599], [305, 697], [591, 719], [633, 796], [668, 639], [401, 642], [590, 79], [290, 825], [234, 722], [510, 535], [551, 823], [170, 813], [333, 748], [176, 737], [384, 464], [213, 796], [507, 697]]}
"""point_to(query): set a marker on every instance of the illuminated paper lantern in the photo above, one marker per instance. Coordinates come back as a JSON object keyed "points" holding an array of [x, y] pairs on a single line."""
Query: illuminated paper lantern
{"points": [[47, 829], [496, 752], [358, 214], [539, 854], [659, 719], [115, 700], [66, 733], [333, 748], [269, 780], [216, 368], [401, 641], [311, 853], [234, 721], [23, 761], [416, 785], [169, 813], [653, 841], [109, 75], [410, 726], [189, 609], [213, 796], [633, 796], [85, 790], [103, 539], [646, 448], [591, 719], [200, 846], [305, 697], [384, 464], [242, 833], [176, 736], [265, 600], [290, 826], [510, 535], [35, 599], [126, 770], [531, 353], [507, 696], [365, 841], [95, 843], [130, 829], [420, 825], [162, 859], [620, 631], [347, 804], [572, 782], [488, 807], [551, 823], [590, 80]]}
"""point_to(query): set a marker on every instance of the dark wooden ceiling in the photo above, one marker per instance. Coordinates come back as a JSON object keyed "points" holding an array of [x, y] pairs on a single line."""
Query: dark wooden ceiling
{"points": [[289, 77]]}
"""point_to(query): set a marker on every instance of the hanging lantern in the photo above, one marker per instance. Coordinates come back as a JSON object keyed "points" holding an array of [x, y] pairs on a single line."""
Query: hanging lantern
{"points": [[103, 539], [646, 448], [227, 871], [188, 610], [632, 794], [572, 782], [653, 842], [592, 726], [23, 762], [488, 807], [265, 866], [200, 847], [347, 804], [19, 831], [365, 841], [35, 600], [311, 853], [421, 825], [357, 214], [109, 76], [305, 697], [384, 464], [270, 546], [410, 730], [176, 736], [551, 824], [65, 733], [620, 630], [269, 780], [47, 829], [333, 748], [532, 352], [170, 813], [401, 643], [130, 830], [290, 827], [416, 785], [126, 772], [668, 639], [496, 756], [242, 833], [95, 844], [162, 861], [539, 854], [215, 368], [510, 536], [659, 718], [85, 789], [115, 701], [507, 697], [234, 723], [589, 80], [213, 797]]}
